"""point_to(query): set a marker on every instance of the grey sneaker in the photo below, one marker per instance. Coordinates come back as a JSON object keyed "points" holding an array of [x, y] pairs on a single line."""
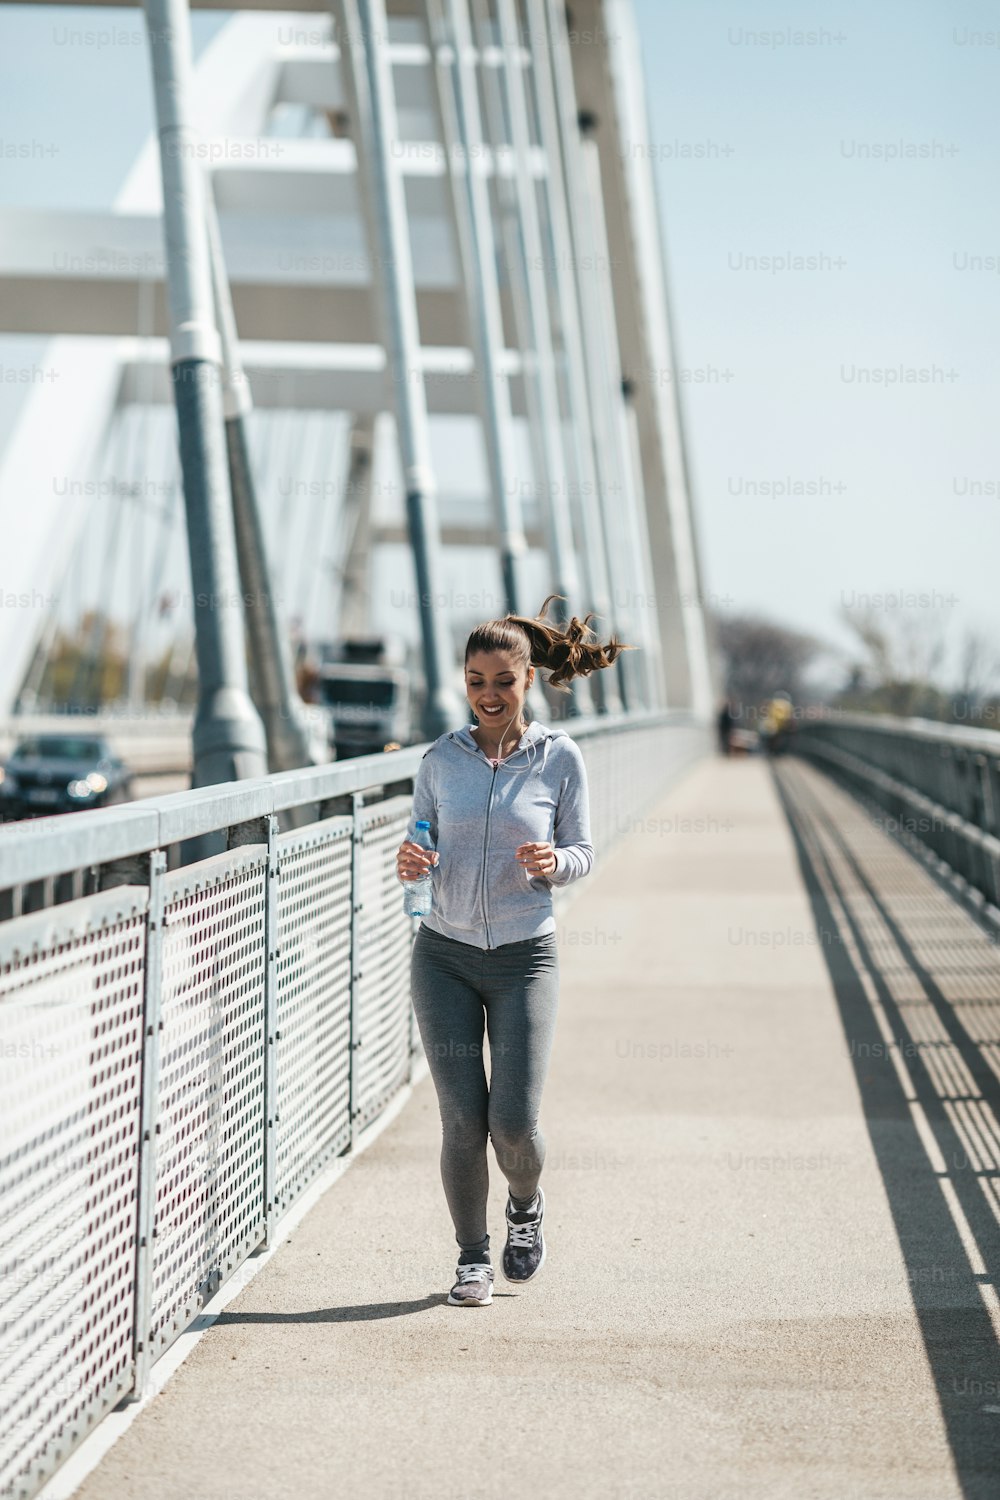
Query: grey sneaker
{"points": [[524, 1252], [473, 1286]]}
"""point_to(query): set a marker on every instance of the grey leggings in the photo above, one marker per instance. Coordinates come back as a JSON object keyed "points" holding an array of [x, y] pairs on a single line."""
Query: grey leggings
{"points": [[514, 989]]}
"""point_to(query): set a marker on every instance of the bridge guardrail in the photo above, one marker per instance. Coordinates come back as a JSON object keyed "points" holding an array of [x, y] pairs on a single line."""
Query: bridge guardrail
{"points": [[938, 783], [188, 1045]]}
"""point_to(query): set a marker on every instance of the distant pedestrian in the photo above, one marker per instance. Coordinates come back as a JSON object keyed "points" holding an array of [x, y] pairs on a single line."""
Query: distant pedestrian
{"points": [[509, 818], [778, 724], [725, 724]]}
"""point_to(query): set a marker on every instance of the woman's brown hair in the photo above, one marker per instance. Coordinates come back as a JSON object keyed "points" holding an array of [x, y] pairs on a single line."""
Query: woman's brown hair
{"points": [[566, 651]]}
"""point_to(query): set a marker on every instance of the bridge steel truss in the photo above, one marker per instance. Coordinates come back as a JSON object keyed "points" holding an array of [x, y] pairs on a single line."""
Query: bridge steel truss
{"points": [[204, 998], [479, 235], [188, 1046]]}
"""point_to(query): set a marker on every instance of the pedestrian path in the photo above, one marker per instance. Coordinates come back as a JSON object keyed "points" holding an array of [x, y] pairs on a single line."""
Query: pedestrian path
{"points": [[772, 1212]]}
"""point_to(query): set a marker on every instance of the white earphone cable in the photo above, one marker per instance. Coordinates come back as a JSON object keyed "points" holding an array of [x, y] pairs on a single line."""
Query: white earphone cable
{"points": [[530, 748]]}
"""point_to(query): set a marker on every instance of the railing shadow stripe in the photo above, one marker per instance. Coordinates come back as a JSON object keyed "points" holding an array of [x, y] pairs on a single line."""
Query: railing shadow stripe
{"points": [[958, 1333]]}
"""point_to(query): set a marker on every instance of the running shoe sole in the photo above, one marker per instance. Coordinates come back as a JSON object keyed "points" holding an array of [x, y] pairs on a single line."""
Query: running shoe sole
{"points": [[468, 1301]]}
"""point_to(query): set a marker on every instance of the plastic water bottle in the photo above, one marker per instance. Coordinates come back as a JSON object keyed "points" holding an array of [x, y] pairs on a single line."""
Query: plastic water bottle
{"points": [[418, 896]]}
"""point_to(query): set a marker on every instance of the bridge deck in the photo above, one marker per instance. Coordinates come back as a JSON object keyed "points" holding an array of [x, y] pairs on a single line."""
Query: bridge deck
{"points": [[772, 1212]]}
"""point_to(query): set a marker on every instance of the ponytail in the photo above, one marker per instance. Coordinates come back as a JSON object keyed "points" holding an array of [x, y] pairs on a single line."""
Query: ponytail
{"points": [[565, 651]]}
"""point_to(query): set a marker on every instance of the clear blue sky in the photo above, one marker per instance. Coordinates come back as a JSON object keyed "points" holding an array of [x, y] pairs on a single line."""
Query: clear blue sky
{"points": [[767, 144], [903, 74]]}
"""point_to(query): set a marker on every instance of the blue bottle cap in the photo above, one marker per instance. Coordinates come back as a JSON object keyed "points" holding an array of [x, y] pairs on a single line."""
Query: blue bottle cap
{"points": [[422, 823]]}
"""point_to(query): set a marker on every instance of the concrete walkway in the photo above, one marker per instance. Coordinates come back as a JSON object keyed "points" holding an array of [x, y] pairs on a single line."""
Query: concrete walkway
{"points": [[726, 1309]]}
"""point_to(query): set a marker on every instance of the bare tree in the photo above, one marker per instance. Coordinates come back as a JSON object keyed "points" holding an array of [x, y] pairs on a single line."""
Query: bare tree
{"points": [[761, 658], [903, 654], [978, 668]]}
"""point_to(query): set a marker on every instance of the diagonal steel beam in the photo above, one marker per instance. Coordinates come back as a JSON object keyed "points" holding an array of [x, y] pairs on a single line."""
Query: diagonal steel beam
{"points": [[288, 745]]}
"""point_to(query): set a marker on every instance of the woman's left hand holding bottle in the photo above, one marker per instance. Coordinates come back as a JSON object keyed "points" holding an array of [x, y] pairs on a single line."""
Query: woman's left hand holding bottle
{"points": [[412, 862]]}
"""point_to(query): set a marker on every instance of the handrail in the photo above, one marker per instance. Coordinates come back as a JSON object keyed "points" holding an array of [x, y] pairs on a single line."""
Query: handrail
{"points": [[939, 783], [45, 847], [987, 740]]}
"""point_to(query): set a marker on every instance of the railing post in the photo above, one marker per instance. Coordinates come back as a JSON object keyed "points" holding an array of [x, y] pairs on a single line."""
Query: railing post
{"points": [[264, 830], [414, 1033], [355, 1042], [986, 794], [149, 1127], [989, 823], [271, 1033]]}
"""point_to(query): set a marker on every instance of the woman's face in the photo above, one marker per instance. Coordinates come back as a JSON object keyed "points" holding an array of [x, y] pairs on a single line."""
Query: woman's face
{"points": [[496, 684]]}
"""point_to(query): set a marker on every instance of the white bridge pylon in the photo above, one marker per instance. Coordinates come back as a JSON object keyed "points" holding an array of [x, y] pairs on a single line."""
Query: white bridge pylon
{"points": [[272, 111]]}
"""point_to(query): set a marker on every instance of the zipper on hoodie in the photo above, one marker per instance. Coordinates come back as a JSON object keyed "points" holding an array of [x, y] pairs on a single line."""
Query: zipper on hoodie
{"points": [[486, 840], [489, 809]]}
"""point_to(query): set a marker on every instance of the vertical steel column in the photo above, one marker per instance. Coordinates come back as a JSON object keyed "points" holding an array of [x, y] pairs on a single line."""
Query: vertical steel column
{"points": [[271, 669], [523, 250], [149, 1126], [272, 1035], [136, 691], [457, 95], [597, 482], [634, 564], [636, 232], [362, 32], [602, 397], [458, 116], [641, 551], [354, 599], [228, 738]]}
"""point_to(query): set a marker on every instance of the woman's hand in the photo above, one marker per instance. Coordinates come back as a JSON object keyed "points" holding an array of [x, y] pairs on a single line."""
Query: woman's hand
{"points": [[412, 861], [537, 859]]}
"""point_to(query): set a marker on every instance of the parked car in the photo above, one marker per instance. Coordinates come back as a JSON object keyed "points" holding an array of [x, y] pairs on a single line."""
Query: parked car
{"points": [[58, 773]]}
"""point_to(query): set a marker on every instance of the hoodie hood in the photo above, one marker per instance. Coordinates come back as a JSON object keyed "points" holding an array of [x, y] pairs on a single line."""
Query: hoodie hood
{"points": [[535, 734]]}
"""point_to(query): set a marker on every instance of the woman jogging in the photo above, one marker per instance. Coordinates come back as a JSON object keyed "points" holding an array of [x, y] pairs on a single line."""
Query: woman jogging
{"points": [[506, 801]]}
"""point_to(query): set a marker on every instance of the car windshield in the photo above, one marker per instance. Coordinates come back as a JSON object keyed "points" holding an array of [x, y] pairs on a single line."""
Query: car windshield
{"points": [[59, 747]]}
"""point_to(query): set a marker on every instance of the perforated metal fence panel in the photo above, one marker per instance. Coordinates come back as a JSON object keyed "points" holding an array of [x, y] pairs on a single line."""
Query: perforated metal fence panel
{"points": [[252, 1012], [628, 769], [598, 758], [71, 988], [209, 1146], [382, 973], [313, 1006]]}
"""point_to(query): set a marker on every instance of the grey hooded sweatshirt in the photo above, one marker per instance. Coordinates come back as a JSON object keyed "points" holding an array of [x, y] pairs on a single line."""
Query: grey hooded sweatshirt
{"points": [[479, 814]]}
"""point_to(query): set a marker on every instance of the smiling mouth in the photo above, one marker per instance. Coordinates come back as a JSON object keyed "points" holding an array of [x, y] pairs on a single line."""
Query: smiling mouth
{"points": [[493, 712]]}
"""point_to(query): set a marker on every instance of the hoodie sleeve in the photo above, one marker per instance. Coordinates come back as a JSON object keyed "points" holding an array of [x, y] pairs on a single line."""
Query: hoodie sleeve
{"points": [[424, 801], [571, 837]]}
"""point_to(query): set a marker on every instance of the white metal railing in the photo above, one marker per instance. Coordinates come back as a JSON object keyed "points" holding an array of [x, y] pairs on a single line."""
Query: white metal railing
{"points": [[186, 1047]]}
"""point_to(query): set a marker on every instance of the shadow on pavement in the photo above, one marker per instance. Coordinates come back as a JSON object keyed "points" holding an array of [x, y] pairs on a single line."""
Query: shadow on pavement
{"points": [[853, 921], [369, 1312], [363, 1313]]}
